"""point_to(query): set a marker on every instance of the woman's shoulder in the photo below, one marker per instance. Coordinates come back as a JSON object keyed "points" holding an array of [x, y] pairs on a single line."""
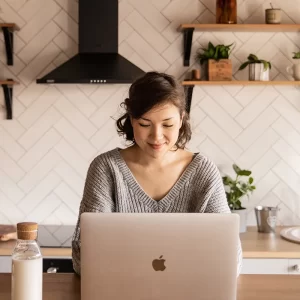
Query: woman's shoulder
{"points": [[105, 159], [204, 165]]}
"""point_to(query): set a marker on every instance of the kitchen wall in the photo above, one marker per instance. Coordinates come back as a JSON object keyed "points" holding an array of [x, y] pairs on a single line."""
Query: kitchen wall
{"points": [[58, 129]]}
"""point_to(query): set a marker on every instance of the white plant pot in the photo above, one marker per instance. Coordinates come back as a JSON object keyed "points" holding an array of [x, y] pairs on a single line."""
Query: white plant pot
{"points": [[257, 72], [294, 70], [243, 218]]}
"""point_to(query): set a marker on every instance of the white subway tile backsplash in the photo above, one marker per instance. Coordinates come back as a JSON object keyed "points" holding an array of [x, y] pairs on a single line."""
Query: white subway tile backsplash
{"points": [[39, 20], [9, 166], [68, 24], [43, 38], [258, 148], [288, 176], [257, 128], [10, 188], [158, 42], [42, 125], [57, 130], [220, 138], [71, 199], [10, 146], [209, 106], [75, 117], [39, 171], [38, 194], [75, 138], [39, 150], [257, 106]]}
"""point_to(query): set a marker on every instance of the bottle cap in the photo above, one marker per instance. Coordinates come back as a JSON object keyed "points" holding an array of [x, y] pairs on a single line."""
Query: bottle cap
{"points": [[27, 230]]}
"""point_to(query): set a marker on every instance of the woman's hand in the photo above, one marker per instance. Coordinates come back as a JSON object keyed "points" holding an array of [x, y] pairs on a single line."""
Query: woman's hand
{"points": [[8, 232]]}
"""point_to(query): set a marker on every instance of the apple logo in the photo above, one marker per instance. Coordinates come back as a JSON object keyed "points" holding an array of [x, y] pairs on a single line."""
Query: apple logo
{"points": [[159, 264]]}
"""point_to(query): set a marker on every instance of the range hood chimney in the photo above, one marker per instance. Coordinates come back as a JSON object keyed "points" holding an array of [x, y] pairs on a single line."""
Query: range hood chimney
{"points": [[98, 60]]}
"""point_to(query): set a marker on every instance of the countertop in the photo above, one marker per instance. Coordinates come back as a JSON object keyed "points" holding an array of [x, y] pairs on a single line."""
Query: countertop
{"points": [[254, 244], [250, 287], [264, 245]]}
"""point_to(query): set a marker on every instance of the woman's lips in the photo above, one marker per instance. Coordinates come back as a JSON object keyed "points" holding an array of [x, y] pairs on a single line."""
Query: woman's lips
{"points": [[156, 146]]}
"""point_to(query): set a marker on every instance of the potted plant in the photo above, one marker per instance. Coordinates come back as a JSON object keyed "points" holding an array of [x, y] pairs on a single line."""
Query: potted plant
{"points": [[294, 70], [215, 61], [235, 189], [258, 68]]}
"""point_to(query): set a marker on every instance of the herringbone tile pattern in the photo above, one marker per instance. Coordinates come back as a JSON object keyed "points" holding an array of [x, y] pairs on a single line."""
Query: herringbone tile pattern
{"points": [[57, 130]]}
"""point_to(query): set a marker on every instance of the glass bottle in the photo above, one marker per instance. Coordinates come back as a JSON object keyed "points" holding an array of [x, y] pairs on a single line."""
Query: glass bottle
{"points": [[226, 12], [27, 264]]}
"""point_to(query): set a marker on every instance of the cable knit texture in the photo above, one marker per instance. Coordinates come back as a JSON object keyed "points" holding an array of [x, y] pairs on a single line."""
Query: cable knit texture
{"points": [[111, 187]]}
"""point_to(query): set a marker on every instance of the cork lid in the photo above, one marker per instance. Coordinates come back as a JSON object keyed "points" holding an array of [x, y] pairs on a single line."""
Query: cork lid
{"points": [[27, 230]]}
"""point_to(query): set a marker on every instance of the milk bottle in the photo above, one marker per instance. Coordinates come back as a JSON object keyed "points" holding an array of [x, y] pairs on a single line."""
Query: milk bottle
{"points": [[27, 264]]}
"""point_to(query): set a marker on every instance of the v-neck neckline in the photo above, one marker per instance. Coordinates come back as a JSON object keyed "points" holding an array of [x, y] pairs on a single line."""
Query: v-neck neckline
{"points": [[165, 202]]}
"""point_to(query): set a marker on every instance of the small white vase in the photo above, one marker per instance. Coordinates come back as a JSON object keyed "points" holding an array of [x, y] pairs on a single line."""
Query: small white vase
{"points": [[258, 73], [243, 218], [294, 70]]}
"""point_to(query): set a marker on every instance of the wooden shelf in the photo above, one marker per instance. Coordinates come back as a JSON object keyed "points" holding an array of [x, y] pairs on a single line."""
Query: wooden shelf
{"points": [[240, 82], [8, 82], [10, 26], [243, 27]]}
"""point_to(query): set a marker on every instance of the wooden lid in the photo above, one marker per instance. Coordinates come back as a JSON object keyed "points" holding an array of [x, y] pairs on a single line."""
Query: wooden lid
{"points": [[27, 230]]}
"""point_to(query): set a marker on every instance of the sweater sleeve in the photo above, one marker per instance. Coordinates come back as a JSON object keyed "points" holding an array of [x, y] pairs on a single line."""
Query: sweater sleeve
{"points": [[217, 203], [97, 197]]}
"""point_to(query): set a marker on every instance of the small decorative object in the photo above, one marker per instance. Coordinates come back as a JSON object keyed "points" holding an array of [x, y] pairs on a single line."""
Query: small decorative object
{"points": [[294, 70], [258, 68], [226, 12], [216, 63], [235, 190], [266, 218], [273, 15], [196, 74]]}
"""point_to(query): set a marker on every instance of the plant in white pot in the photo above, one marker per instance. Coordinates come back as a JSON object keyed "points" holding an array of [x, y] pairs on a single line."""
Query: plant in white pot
{"points": [[294, 70], [259, 69], [235, 189]]}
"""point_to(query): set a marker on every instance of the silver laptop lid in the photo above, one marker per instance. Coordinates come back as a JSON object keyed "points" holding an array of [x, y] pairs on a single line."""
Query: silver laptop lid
{"points": [[159, 256]]}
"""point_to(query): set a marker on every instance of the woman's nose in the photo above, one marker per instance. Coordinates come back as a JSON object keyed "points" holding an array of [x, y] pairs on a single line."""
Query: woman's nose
{"points": [[157, 133]]}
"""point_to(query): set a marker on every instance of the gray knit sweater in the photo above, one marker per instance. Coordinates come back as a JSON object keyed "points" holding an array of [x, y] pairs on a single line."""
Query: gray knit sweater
{"points": [[111, 187]]}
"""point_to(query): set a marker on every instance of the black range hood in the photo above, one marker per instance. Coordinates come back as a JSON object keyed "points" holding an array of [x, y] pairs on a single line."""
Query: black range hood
{"points": [[98, 60]]}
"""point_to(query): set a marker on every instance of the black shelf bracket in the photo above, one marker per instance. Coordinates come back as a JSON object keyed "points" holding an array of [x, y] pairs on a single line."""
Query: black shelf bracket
{"points": [[9, 44], [8, 97], [187, 40], [188, 96]]}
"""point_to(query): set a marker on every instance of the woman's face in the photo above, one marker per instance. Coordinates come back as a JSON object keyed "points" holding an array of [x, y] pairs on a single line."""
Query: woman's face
{"points": [[156, 132]]}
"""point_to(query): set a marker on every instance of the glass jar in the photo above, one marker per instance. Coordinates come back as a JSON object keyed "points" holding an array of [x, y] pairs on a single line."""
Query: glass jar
{"points": [[226, 12], [27, 264]]}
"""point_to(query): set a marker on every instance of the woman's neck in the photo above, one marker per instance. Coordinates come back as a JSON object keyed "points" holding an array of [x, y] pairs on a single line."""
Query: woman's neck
{"points": [[144, 159]]}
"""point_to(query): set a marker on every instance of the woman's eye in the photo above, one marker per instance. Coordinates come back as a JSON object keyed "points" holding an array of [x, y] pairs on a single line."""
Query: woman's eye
{"points": [[144, 125], [168, 125]]}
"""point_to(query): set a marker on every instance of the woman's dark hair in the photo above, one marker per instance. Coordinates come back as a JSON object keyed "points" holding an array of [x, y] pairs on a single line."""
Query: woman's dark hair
{"points": [[151, 90]]}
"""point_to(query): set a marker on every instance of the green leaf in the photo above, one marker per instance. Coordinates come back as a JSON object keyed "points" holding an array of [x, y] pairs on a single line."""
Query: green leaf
{"points": [[211, 46], [252, 57], [266, 65], [236, 169], [244, 173], [250, 180], [244, 65]]}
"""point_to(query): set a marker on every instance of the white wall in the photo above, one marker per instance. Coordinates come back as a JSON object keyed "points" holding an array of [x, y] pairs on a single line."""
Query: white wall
{"points": [[57, 130]]}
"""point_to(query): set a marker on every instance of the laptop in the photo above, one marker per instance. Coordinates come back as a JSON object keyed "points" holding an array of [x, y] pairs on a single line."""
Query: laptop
{"points": [[159, 256]]}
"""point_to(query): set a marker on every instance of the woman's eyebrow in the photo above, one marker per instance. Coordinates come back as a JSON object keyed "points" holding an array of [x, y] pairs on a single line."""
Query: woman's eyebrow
{"points": [[163, 120]]}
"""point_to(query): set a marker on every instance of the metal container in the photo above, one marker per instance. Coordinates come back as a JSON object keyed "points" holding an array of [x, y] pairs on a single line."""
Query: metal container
{"points": [[258, 73], [266, 218]]}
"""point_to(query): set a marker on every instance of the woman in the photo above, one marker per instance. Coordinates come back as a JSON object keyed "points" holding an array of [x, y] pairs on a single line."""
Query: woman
{"points": [[155, 173]]}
